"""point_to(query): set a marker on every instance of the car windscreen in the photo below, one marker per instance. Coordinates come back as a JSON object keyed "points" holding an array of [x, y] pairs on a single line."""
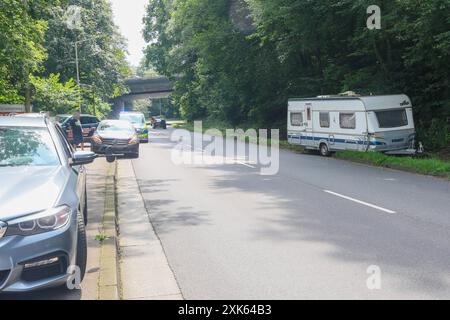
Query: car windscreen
{"points": [[133, 118], [392, 118], [116, 126], [27, 147]]}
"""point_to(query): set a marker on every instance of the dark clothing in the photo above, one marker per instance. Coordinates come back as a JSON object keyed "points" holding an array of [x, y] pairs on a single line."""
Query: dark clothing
{"points": [[77, 131]]}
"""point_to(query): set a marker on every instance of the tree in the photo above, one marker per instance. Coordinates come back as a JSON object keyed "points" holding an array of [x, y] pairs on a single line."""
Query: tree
{"points": [[22, 32], [53, 96], [101, 48], [144, 70], [37, 50]]}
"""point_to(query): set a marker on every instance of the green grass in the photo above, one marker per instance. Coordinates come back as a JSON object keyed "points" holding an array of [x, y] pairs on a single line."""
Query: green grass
{"points": [[183, 125], [284, 144], [101, 238], [175, 122], [433, 166]]}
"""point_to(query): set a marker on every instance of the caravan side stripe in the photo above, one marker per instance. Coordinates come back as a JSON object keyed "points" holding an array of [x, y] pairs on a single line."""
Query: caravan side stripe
{"points": [[350, 141]]}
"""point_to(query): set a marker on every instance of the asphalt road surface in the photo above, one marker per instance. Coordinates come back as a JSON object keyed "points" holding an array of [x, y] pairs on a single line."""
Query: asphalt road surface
{"points": [[314, 230]]}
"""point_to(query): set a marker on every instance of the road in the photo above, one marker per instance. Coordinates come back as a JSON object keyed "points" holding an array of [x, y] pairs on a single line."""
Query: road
{"points": [[310, 232]]}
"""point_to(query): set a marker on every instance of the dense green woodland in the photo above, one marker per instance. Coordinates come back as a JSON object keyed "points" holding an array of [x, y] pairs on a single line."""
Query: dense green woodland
{"points": [[37, 55], [238, 61]]}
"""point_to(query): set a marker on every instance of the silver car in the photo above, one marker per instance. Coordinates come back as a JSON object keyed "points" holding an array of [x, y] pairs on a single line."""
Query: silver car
{"points": [[43, 205], [116, 138]]}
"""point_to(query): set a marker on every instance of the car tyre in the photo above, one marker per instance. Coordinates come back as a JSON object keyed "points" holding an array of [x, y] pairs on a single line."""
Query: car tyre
{"points": [[324, 151], [81, 259], [85, 208]]}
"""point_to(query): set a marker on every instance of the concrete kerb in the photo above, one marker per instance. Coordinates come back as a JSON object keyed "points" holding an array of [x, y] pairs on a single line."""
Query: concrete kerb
{"points": [[108, 283]]}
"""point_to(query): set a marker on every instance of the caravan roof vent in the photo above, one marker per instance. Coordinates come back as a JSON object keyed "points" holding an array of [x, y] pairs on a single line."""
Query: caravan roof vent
{"points": [[349, 94]]}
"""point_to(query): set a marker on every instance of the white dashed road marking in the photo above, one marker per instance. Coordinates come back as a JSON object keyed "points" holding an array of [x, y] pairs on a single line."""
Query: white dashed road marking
{"points": [[360, 202]]}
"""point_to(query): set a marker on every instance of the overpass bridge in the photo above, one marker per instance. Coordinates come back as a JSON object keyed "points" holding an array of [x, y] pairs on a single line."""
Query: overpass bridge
{"points": [[140, 89]]}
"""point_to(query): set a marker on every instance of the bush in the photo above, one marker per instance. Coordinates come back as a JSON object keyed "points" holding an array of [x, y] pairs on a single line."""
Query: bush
{"points": [[435, 136]]}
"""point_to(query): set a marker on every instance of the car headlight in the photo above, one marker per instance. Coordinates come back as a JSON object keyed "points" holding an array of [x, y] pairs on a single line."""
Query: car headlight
{"points": [[38, 223]]}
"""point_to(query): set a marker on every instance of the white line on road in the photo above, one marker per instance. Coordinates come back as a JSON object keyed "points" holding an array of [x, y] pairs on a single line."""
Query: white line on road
{"points": [[246, 164], [360, 202], [238, 162]]}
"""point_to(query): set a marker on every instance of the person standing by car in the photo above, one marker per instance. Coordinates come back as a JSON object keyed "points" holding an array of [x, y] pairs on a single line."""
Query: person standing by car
{"points": [[77, 130]]}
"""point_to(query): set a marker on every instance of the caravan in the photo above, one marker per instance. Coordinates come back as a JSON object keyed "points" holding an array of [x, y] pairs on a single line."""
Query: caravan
{"points": [[334, 123]]}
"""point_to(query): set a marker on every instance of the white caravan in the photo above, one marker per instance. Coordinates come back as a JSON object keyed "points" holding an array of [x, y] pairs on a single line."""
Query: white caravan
{"points": [[333, 123]]}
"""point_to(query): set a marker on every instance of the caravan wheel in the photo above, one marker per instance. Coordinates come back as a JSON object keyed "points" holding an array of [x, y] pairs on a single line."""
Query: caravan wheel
{"points": [[324, 151]]}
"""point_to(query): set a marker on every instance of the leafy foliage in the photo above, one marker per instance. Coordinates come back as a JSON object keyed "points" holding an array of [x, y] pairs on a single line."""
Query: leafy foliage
{"points": [[53, 96], [101, 49], [37, 51], [22, 31]]}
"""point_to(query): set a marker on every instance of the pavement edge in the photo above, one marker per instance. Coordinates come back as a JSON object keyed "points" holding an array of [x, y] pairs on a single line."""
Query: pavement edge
{"points": [[108, 283]]}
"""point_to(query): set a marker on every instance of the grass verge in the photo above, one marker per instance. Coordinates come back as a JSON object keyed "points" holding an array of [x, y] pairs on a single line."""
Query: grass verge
{"points": [[433, 166]]}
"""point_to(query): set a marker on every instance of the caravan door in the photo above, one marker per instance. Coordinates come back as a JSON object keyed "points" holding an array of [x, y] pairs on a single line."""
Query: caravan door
{"points": [[309, 132]]}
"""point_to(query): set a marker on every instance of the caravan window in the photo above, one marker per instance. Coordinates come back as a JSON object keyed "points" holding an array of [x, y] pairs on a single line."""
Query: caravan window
{"points": [[347, 120], [324, 119], [392, 118], [297, 119]]}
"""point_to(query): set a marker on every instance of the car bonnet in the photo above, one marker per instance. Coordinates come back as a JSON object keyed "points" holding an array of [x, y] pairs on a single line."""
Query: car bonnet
{"points": [[25, 190]]}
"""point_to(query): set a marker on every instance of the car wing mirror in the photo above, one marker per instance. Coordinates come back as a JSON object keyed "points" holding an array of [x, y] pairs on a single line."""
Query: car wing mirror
{"points": [[80, 158]]}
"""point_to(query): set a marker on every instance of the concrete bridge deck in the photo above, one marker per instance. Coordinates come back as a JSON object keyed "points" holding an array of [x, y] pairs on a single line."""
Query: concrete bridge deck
{"points": [[143, 88]]}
